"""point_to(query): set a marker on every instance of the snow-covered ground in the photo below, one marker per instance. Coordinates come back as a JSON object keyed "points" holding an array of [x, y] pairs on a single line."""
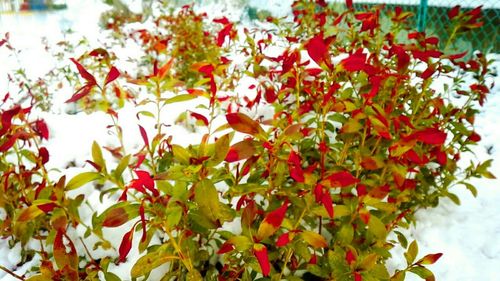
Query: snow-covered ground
{"points": [[468, 235]]}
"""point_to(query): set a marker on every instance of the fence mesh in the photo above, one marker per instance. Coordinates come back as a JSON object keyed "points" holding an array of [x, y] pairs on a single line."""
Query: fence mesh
{"points": [[431, 17]]}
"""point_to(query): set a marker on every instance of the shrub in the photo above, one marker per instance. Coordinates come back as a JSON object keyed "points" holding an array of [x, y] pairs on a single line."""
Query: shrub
{"points": [[358, 141]]}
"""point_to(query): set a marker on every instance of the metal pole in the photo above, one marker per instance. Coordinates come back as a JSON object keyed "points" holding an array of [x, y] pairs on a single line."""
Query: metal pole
{"points": [[422, 16]]}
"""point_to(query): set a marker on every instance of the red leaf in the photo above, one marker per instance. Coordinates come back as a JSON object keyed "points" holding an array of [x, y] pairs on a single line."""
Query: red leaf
{"points": [[200, 117], [43, 154], [294, 158], [427, 73], [326, 199], [475, 137], [82, 92], [7, 118], [317, 49], [125, 245], [42, 129], [225, 32], [145, 179], [348, 4], [342, 179], [453, 12], [297, 173], [84, 73], [243, 124], [8, 143], [260, 252], [283, 240], [47, 207], [430, 136], [224, 248], [357, 276], [350, 257], [112, 75], [144, 136], [354, 62]]}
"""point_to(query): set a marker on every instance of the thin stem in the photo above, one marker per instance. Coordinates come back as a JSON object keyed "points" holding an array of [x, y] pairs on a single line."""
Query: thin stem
{"points": [[12, 273]]}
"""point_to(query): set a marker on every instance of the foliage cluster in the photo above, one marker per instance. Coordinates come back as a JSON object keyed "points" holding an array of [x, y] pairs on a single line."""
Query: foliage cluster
{"points": [[358, 141]]}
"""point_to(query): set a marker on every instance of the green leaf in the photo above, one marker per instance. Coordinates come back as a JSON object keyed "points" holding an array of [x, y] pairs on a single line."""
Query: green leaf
{"points": [[241, 243], [122, 165], [145, 113], [97, 156], [109, 276], [471, 188], [179, 98], [82, 179], [145, 264], [377, 227], [345, 234], [422, 272], [412, 252], [207, 198], [399, 276], [174, 215], [402, 239], [221, 149], [453, 197], [181, 154]]}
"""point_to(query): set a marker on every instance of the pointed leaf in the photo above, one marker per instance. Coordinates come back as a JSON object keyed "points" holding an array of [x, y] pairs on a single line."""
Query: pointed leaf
{"points": [[82, 179], [260, 252], [272, 222], [125, 245], [314, 239], [113, 74], [244, 124], [430, 258]]}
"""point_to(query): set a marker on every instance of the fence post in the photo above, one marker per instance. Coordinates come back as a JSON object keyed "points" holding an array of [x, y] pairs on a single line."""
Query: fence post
{"points": [[422, 15]]}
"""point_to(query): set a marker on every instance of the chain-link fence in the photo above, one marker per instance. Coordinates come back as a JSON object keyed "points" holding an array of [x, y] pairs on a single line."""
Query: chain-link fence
{"points": [[431, 16]]}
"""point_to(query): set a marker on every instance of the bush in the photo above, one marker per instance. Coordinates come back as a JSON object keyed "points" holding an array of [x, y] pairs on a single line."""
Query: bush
{"points": [[357, 141]]}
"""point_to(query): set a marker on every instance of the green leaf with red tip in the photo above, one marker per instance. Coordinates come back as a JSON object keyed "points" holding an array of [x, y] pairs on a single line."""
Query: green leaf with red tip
{"points": [[272, 222], [429, 259], [62, 255]]}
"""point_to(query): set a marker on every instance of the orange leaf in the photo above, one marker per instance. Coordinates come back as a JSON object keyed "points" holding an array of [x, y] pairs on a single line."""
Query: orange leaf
{"points": [[241, 150], [244, 124], [115, 217]]}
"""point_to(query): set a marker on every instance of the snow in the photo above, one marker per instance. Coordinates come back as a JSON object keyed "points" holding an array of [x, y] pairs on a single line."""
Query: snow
{"points": [[467, 234]]}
